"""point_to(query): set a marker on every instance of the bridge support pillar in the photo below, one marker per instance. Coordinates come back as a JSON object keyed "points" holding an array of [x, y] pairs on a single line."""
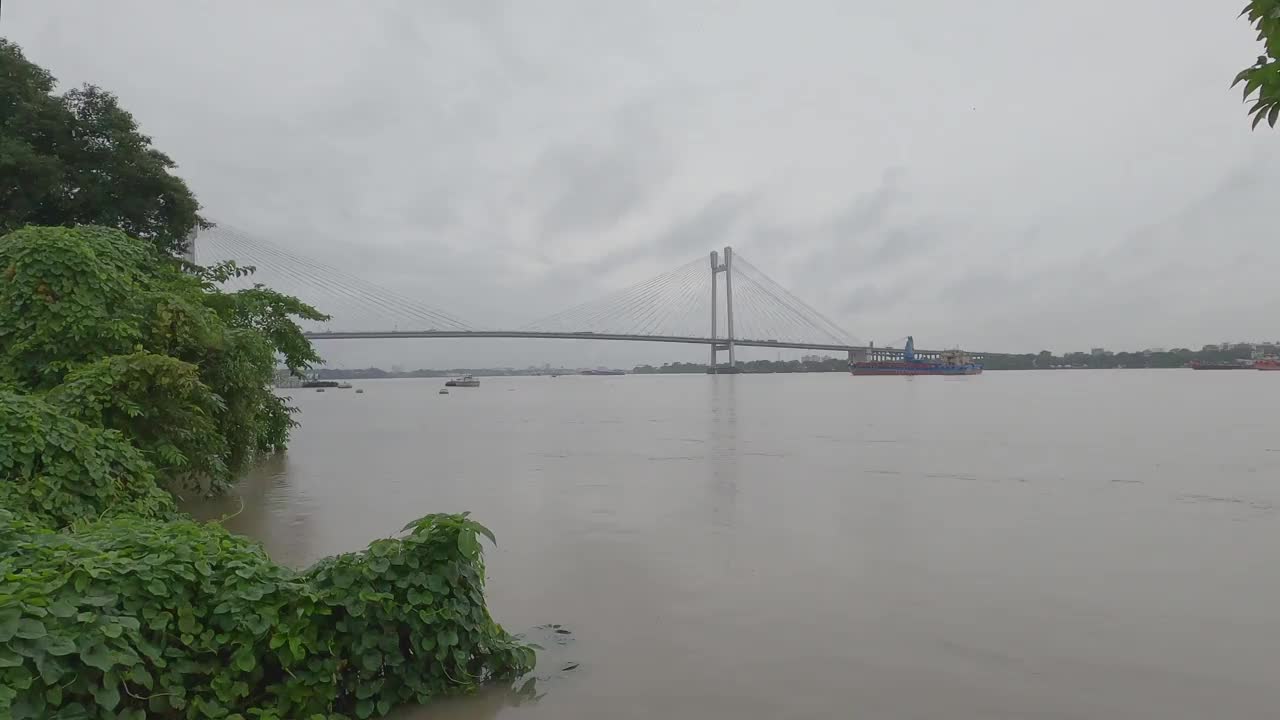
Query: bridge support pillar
{"points": [[716, 346]]}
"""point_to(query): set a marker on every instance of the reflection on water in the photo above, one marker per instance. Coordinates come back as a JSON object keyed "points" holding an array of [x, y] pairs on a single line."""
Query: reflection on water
{"points": [[1065, 545]]}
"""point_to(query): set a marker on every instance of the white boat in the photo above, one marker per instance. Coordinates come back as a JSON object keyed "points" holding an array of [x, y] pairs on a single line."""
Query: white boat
{"points": [[344, 386], [444, 391], [464, 381]]}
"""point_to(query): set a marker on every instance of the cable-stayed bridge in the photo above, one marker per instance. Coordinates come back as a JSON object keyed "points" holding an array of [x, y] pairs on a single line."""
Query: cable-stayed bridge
{"points": [[721, 301]]}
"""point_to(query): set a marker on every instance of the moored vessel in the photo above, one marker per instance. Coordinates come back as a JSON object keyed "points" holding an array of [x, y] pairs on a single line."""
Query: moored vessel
{"points": [[950, 362], [1230, 365], [464, 381]]}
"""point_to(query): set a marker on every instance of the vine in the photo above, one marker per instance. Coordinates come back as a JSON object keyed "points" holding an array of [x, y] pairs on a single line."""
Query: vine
{"points": [[134, 618]]}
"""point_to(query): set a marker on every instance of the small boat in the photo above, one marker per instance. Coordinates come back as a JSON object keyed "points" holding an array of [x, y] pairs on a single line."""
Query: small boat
{"points": [[443, 391], [464, 381], [319, 389], [359, 390], [344, 386]]}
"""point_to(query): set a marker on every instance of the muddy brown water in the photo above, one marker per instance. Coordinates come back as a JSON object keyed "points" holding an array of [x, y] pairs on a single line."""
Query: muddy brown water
{"points": [[1087, 544]]}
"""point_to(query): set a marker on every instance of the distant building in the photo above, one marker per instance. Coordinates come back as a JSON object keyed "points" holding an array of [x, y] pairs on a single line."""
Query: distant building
{"points": [[1099, 352], [816, 358]]}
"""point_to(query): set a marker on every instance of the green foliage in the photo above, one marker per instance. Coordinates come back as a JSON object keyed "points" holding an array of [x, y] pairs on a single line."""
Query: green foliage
{"points": [[271, 315], [78, 159], [138, 618], [157, 401], [57, 470], [67, 297], [124, 370], [122, 338], [1262, 79]]}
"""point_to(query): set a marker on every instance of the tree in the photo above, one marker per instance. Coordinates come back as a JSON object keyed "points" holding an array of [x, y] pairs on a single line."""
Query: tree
{"points": [[79, 159], [124, 371], [112, 332], [1263, 77]]}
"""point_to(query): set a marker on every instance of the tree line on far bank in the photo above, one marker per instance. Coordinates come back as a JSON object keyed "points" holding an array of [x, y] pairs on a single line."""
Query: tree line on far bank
{"points": [[1043, 360]]}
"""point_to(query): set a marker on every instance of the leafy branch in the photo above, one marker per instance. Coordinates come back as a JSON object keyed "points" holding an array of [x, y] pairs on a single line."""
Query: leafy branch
{"points": [[1262, 79]]}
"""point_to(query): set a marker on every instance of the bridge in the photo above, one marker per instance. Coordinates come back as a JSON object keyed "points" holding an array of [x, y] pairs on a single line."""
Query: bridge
{"points": [[721, 301]]}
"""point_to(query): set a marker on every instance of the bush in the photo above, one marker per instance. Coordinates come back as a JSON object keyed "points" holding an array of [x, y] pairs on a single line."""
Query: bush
{"points": [[58, 470], [132, 618], [129, 341], [123, 370], [67, 297]]}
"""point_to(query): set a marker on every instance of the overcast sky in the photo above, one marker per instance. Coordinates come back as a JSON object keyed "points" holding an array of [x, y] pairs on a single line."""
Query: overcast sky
{"points": [[1003, 175]]}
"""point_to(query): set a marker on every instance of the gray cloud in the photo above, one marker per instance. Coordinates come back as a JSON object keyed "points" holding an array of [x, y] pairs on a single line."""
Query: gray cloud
{"points": [[504, 160], [589, 185]]}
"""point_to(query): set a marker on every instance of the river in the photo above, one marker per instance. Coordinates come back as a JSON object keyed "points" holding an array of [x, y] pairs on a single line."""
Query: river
{"points": [[1072, 544]]}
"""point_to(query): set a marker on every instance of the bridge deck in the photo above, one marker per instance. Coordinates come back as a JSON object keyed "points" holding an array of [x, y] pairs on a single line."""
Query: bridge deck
{"points": [[603, 336]]}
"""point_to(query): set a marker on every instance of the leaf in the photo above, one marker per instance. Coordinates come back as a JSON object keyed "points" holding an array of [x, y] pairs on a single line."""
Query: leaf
{"points": [[97, 656], [1251, 85], [468, 545], [62, 609], [437, 584], [1274, 115], [107, 696], [244, 659], [446, 638], [72, 711], [484, 531], [9, 658], [59, 646], [30, 629], [8, 624], [1257, 119]]}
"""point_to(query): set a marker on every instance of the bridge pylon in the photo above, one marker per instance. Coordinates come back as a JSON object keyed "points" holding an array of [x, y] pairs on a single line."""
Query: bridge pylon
{"points": [[718, 267]]}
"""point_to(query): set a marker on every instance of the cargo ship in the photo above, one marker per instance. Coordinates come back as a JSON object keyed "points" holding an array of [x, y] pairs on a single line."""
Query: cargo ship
{"points": [[950, 362], [1230, 365], [1267, 363]]}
